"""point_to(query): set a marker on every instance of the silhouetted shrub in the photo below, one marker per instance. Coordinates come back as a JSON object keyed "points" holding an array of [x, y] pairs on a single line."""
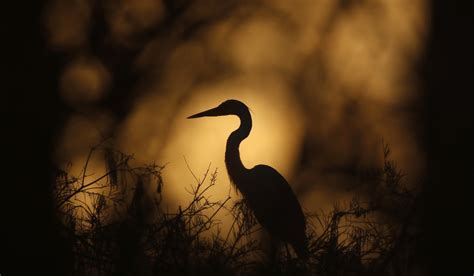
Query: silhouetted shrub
{"points": [[113, 224]]}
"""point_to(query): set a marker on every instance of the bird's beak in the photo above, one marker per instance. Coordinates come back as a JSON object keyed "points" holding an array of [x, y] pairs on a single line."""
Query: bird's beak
{"points": [[207, 113]]}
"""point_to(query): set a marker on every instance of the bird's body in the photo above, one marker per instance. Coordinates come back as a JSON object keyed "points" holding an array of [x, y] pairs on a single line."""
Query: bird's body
{"points": [[265, 190]]}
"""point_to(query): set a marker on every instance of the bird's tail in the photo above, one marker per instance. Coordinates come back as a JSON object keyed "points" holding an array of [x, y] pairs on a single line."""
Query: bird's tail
{"points": [[301, 248]]}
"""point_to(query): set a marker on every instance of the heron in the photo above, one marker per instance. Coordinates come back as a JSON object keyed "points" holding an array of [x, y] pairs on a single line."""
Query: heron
{"points": [[265, 190]]}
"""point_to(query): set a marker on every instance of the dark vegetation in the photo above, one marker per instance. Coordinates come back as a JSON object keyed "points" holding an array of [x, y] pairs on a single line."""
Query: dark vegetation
{"points": [[114, 225]]}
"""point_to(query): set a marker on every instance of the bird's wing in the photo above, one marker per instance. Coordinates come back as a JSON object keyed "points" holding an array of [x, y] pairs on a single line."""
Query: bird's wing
{"points": [[275, 204]]}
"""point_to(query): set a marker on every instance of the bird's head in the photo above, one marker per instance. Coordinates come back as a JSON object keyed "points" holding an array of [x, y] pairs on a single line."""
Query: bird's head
{"points": [[229, 107]]}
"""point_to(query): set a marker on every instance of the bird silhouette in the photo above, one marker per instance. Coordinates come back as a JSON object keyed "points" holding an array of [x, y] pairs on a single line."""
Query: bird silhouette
{"points": [[265, 190]]}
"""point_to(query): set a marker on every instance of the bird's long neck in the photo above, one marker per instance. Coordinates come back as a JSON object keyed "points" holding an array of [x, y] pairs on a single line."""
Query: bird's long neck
{"points": [[235, 167]]}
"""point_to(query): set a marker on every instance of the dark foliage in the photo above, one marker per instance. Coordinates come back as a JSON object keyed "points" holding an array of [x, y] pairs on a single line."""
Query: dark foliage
{"points": [[114, 225]]}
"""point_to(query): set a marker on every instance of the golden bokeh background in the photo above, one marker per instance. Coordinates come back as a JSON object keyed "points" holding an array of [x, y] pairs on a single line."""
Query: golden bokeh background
{"points": [[327, 82]]}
